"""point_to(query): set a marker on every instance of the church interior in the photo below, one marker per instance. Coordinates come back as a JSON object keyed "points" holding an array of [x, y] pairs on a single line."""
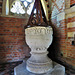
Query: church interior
{"points": [[14, 16]]}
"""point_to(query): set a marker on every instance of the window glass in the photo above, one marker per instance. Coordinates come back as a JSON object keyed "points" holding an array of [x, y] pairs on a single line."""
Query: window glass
{"points": [[22, 6], [25, 3], [17, 8], [29, 0], [30, 8]]}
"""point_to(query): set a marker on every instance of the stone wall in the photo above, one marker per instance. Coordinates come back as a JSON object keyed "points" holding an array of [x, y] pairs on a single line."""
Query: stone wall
{"points": [[70, 37], [63, 20], [59, 25], [12, 39]]}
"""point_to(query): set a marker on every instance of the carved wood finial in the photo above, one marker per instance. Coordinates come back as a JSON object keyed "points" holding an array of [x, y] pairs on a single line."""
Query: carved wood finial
{"points": [[37, 17]]}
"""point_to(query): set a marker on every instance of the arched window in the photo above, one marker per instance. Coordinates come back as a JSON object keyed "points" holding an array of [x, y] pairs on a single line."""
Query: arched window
{"points": [[17, 7], [20, 7]]}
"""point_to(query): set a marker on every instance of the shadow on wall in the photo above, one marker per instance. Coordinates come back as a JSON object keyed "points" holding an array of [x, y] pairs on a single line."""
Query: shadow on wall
{"points": [[54, 49]]}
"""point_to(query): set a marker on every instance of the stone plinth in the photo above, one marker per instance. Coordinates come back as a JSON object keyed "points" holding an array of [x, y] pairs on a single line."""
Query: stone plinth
{"points": [[57, 70]]}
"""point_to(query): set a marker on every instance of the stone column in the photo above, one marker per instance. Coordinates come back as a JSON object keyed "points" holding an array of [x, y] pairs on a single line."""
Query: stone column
{"points": [[4, 8]]}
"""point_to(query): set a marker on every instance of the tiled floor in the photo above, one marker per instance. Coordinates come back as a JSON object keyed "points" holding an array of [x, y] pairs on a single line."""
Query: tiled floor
{"points": [[8, 69]]}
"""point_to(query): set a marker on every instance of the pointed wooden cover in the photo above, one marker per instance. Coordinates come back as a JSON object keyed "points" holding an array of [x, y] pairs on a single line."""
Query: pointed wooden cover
{"points": [[37, 17]]}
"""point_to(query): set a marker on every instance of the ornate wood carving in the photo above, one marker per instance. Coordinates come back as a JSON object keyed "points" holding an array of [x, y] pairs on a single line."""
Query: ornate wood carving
{"points": [[38, 18]]}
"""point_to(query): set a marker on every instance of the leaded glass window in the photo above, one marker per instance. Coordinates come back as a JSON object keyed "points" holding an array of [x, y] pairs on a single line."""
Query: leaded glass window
{"points": [[22, 6]]}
